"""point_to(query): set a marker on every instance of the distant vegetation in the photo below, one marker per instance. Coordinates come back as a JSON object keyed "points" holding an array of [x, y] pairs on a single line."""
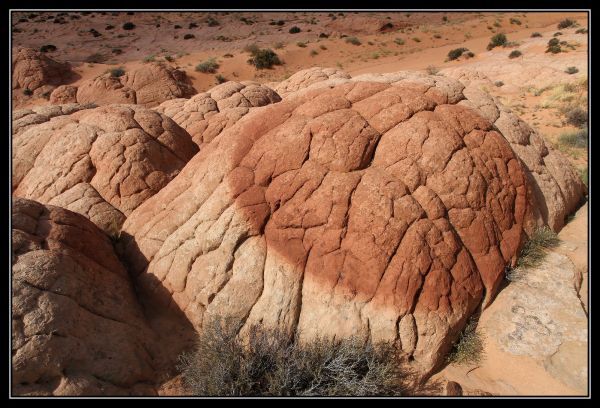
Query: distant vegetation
{"points": [[209, 66], [353, 41], [498, 40], [577, 138], [117, 72], [220, 79], [456, 53], [515, 54], [295, 30], [128, 26], [536, 34], [264, 58], [566, 23], [571, 70]]}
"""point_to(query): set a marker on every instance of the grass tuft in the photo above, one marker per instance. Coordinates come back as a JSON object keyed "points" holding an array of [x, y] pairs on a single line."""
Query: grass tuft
{"points": [[468, 349]]}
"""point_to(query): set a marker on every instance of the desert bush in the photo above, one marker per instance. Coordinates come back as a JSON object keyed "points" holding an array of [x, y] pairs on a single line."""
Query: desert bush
{"points": [[264, 58], [515, 54], [576, 116], [497, 40], [252, 48], [399, 41], [128, 26], [499, 83], [534, 250], [212, 22], [468, 349], [209, 66], [515, 21], [571, 70], [27, 92], [553, 41], [566, 23], [117, 72], [189, 36], [270, 363], [556, 34], [220, 79], [353, 41], [96, 58], [294, 30], [536, 34], [438, 36], [456, 53], [314, 53], [48, 48], [432, 70], [554, 49], [469, 54], [301, 44], [445, 18], [578, 138], [581, 31]]}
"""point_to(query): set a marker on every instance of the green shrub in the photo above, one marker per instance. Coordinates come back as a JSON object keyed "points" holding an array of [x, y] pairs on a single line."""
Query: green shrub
{"points": [[566, 23], [117, 72], [264, 58], [209, 66], [353, 41], [220, 79], [536, 34], [269, 363], [468, 349], [515, 54], [498, 40], [572, 70], [578, 138], [456, 53], [295, 30], [128, 26]]}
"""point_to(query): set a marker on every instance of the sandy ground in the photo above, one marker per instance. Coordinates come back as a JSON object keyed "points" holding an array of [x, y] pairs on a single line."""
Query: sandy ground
{"points": [[388, 42]]}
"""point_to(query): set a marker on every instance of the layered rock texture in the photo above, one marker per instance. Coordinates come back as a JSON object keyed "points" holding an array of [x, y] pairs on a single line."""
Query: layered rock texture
{"points": [[34, 71], [386, 210], [77, 328], [101, 162], [148, 86], [207, 114]]}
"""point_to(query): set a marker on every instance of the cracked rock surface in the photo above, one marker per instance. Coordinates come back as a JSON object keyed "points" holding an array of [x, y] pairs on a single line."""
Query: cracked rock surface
{"points": [[381, 208], [101, 162], [207, 114], [35, 71], [148, 86], [77, 327]]}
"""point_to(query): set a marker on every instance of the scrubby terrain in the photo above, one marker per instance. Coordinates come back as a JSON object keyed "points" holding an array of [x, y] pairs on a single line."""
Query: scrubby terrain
{"points": [[391, 200]]}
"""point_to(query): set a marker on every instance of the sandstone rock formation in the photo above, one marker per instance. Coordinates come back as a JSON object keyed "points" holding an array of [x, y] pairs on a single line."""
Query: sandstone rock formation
{"points": [[148, 86], [77, 328], [207, 114], [33, 70], [382, 210], [101, 162], [556, 189], [64, 94], [23, 119], [307, 77]]}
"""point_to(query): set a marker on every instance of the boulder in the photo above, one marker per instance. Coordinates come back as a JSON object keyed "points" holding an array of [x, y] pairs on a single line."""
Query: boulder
{"points": [[386, 211], [77, 328], [64, 94], [33, 70], [148, 85], [207, 114], [100, 162]]}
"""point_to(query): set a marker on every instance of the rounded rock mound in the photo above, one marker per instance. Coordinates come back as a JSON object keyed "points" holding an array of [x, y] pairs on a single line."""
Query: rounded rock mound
{"points": [[101, 162], [77, 328], [308, 77], [34, 71], [207, 114], [382, 210], [148, 85]]}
